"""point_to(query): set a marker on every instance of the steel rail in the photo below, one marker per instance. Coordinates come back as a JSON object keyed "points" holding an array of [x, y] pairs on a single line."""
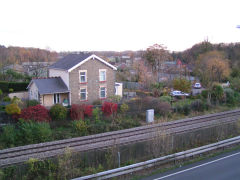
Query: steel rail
{"points": [[104, 140]]}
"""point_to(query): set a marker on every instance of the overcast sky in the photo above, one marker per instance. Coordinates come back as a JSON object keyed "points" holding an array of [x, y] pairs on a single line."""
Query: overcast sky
{"points": [[85, 25]]}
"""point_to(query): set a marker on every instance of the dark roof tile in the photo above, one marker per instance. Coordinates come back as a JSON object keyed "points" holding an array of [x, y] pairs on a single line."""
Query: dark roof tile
{"points": [[69, 61], [50, 85]]}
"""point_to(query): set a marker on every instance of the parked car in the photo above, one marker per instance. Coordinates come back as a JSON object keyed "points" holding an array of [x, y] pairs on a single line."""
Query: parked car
{"points": [[197, 86], [178, 93]]}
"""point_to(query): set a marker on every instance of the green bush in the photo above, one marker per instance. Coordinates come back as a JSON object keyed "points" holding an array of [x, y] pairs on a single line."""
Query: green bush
{"points": [[33, 132], [204, 94], [124, 108], [16, 100], [197, 105], [98, 127], [126, 122], [80, 127], [115, 98], [58, 112], [165, 98], [183, 107], [235, 83], [25, 133], [217, 93], [186, 109], [12, 109], [17, 86], [96, 114], [232, 97], [32, 103], [7, 99], [8, 136], [11, 90]]}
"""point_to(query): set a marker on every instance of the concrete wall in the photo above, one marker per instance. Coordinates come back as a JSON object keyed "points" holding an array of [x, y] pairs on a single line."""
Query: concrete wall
{"points": [[60, 73], [21, 95], [93, 85]]}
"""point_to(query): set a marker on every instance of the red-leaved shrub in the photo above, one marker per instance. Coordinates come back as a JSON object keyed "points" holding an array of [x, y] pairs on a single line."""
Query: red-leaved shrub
{"points": [[78, 111], [88, 110], [108, 108], [36, 113]]}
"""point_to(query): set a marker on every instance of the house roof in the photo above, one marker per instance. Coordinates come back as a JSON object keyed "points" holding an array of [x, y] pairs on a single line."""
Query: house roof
{"points": [[72, 61], [49, 85]]}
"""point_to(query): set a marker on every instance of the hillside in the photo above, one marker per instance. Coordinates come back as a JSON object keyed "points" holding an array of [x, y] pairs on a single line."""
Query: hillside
{"points": [[18, 55], [231, 51]]}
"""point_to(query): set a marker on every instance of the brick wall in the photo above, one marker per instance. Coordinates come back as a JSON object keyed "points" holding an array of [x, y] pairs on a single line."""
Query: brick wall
{"points": [[93, 85]]}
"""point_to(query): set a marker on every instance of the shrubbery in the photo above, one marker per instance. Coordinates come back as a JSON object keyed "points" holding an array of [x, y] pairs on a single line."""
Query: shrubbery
{"points": [[232, 97], [217, 93], [77, 111], [109, 108], [36, 113], [33, 102], [17, 86], [25, 133], [80, 127], [58, 112], [7, 99], [13, 109], [162, 108], [165, 98], [124, 108], [33, 132], [8, 136], [197, 105], [88, 110]]}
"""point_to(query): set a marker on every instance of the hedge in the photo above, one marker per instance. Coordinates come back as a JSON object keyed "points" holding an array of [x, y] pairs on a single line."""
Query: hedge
{"points": [[16, 86]]}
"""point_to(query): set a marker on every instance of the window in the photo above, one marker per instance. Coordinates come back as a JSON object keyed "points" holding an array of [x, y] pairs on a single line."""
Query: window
{"points": [[83, 76], [56, 98], [83, 94], [102, 75], [103, 92]]}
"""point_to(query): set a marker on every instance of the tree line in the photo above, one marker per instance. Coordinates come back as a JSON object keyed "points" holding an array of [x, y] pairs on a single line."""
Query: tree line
{"points": [[17, 55]]}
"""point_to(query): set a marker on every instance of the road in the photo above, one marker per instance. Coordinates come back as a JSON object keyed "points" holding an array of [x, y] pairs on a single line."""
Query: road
{"points": [[223, 167], [196, 91]]}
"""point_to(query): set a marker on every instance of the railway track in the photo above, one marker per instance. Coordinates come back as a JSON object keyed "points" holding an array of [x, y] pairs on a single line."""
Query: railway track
{"points": [[45, 150]]}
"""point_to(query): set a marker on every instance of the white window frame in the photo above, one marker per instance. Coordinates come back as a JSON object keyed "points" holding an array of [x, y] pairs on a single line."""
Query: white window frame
{"points": [[80, 80], [57, 98], [101, 91], [105, 71], [80, 93]]}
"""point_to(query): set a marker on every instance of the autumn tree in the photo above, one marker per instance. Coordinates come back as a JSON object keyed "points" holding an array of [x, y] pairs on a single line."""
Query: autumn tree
{"points": [[142, 74], [156, 55], [212, 67], [182, 84]]}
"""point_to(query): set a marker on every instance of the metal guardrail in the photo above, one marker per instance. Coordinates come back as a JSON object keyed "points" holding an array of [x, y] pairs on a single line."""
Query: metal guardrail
{"points": [[150, 163]]}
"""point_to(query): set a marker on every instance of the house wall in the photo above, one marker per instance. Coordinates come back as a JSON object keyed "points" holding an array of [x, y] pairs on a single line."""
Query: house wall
{"points": [[93, 85], [60, 73], [119, 89], [33, 92], [47, 99]]}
